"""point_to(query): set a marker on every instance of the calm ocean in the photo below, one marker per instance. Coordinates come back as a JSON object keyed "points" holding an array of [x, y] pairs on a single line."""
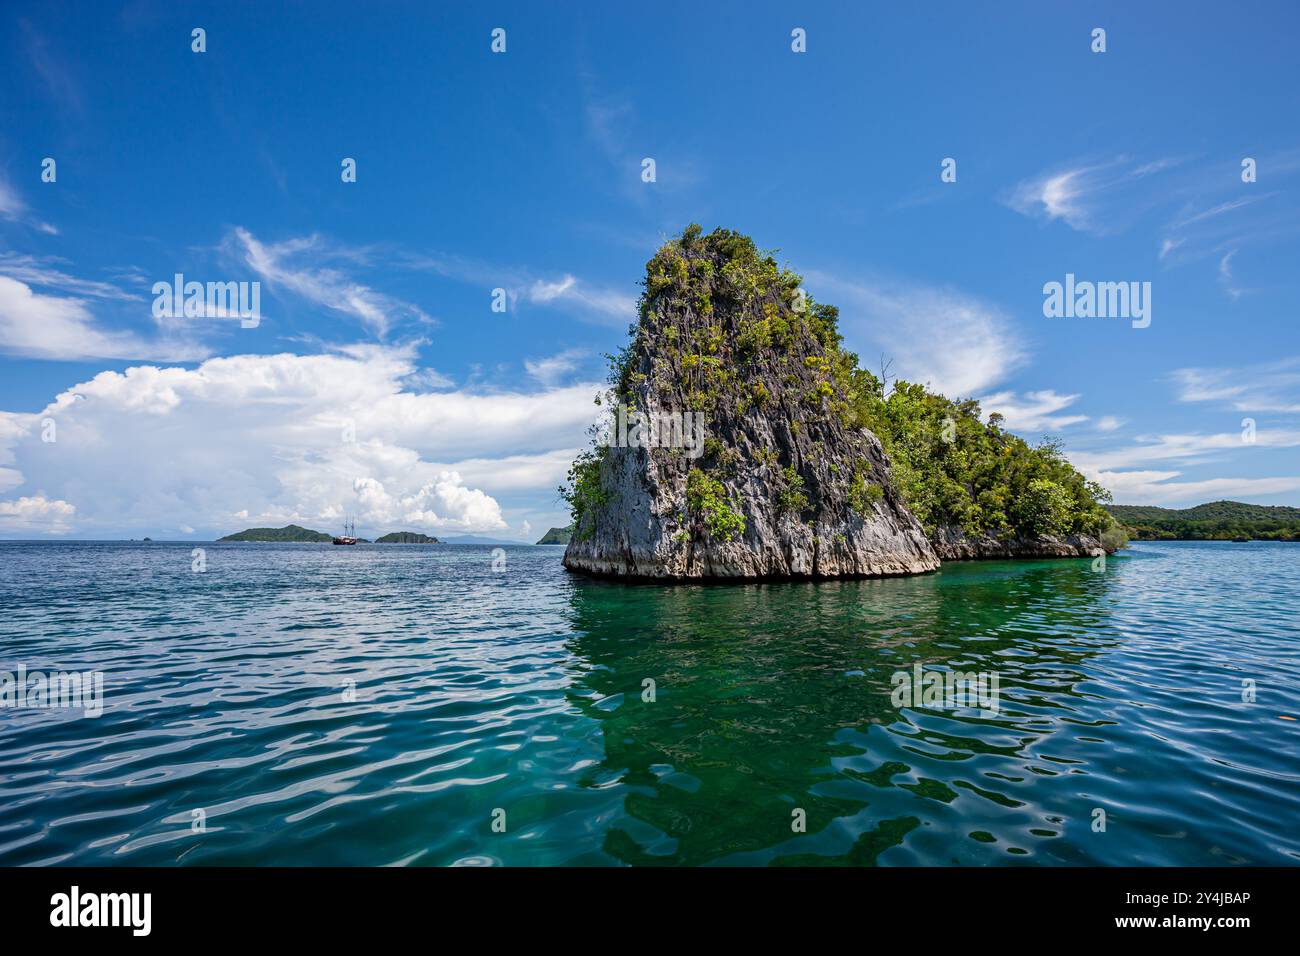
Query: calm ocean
{"points": [[305, 704]]}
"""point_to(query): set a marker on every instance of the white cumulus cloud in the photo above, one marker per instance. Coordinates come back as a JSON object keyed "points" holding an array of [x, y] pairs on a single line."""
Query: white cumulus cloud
{"points": [[35, 514], [271, 439]]}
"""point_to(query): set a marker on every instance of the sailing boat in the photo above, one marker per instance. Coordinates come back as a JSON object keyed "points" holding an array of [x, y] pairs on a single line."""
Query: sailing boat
{"points": [[349, 535]]}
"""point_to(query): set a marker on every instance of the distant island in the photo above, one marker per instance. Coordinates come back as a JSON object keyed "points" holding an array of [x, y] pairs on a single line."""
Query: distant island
{"points": [[406, 537], [557, 536], [296, 534], [1215, 521], [290, 532], [479, 540]]}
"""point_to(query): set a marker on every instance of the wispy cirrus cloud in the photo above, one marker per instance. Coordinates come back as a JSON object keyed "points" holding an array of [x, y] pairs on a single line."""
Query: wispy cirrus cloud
{"points": [[1265, 387], [1208, 211], [1218, 214], [1206, 226], [611, 125], [53, 68], [1040, 411], [590, 298], [1095, 197], [555, 368], [1221, 209], [1033, 411], [48, 272], [1225, 275], [1161, 488], [587, 300], [952, 341], [1150, 468], [14, 209], [1133, 472], [1057, 196], [1187, 447], [308, 266]]}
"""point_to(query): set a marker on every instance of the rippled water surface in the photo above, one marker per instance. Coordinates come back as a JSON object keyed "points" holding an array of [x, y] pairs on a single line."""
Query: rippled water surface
{"points": [[377, 704]]}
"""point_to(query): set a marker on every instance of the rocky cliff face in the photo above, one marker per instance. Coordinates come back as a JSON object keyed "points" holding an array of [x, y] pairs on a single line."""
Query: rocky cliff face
{"points": [[951, 544], [727, 455]]}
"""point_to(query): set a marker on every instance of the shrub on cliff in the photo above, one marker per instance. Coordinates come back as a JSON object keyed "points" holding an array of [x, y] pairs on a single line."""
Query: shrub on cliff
{"points": [[707, 500], [584, 490]]}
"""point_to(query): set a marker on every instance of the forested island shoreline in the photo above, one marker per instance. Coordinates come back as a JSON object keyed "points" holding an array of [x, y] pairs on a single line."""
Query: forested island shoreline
{"points": [[1213, 521], [296, 534]]}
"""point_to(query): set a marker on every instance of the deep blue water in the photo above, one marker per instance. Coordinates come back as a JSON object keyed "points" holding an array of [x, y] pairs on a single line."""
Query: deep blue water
{"points": [[227, 700]]}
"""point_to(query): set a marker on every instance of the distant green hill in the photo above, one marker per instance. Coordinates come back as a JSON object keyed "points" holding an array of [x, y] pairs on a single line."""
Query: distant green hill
{"points": [[557, 536], [406, 537], [1216, 521], [290, 532]]}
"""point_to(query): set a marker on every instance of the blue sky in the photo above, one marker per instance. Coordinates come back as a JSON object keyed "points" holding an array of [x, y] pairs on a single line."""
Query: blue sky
{"points": [[380, 383]]}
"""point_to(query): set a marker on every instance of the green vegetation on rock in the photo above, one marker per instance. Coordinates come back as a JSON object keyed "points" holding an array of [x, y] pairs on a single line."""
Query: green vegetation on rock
{"points": [[584, 490], [406, 537], [953, 470], [863, 495], [707, 500], [792, 496]]}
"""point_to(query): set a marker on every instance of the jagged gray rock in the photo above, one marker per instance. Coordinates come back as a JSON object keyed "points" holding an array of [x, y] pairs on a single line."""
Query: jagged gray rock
{"points": [[730, 343], [952, 544], [644, 530]]}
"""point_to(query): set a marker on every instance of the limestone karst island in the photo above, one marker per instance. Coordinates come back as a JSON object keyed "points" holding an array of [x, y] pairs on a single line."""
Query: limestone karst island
{"points": [[806, 465]]}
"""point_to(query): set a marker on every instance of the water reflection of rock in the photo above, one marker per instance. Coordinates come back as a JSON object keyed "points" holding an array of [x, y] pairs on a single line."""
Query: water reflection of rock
{"points": [[765, 696]]}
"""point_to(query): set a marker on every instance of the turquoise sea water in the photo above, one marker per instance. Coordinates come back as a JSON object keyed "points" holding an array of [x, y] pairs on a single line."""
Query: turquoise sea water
{"points": [[227, 701]]}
